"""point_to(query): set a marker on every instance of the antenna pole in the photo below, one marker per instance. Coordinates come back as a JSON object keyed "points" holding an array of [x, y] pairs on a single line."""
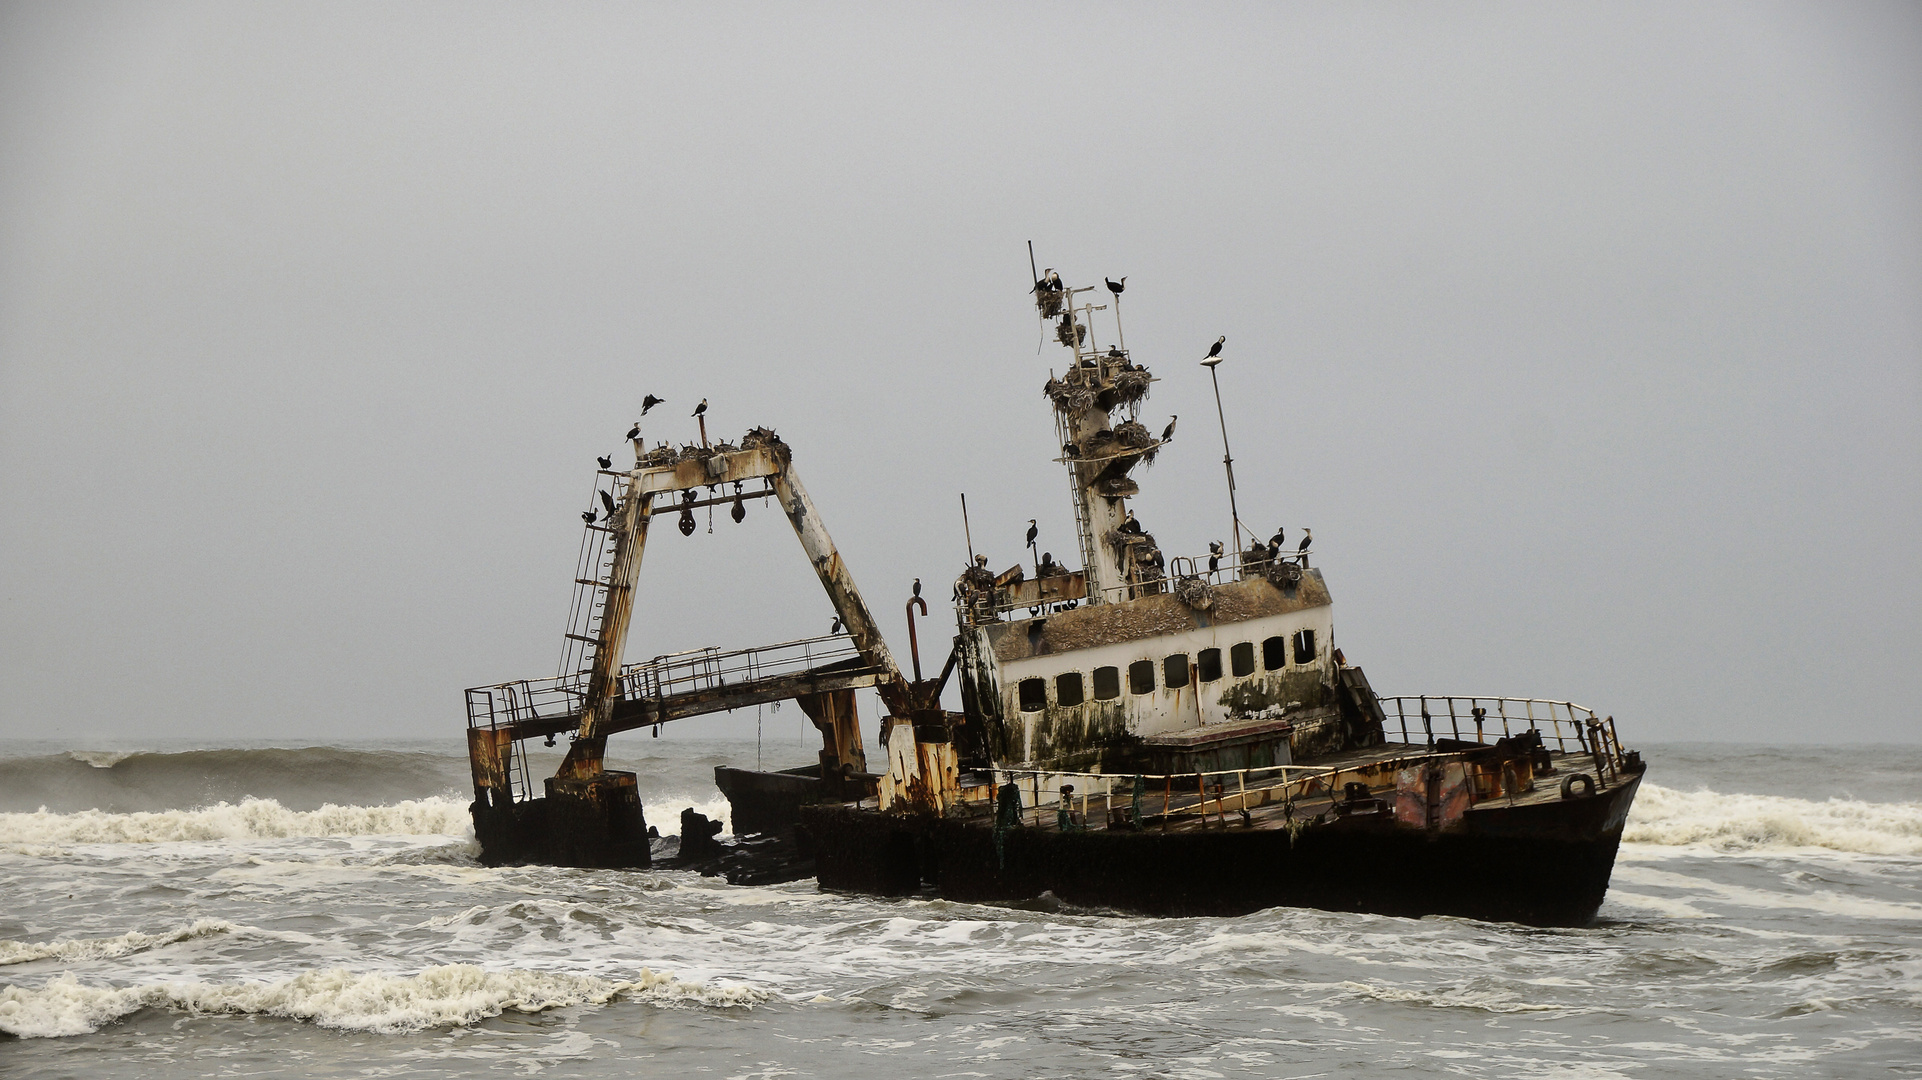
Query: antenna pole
{"points": [[1032, 272], [964, 526], [1227, 459]]}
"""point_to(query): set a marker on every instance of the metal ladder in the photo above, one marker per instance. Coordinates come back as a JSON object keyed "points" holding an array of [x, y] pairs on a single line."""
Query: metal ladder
{"points": [[591, 571], [1084, 535]]}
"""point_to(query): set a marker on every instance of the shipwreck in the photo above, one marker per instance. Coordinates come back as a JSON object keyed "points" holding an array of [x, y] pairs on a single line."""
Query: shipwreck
{"points": [[1164, 735]]}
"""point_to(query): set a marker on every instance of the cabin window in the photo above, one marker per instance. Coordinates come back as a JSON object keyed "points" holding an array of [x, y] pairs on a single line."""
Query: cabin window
{"points": [[1209, 661], [1067, 688], [1141, 677], [1107, 682], [1034, 695], [1241, 659], [1274, 654], [1304, 646], [1174, 671]]}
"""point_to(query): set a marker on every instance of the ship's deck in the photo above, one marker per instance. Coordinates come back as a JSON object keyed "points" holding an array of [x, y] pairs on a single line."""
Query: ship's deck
{"points": [[1270, 804]]}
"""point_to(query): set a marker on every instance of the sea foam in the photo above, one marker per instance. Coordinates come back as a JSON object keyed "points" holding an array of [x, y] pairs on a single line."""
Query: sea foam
{"points": [[1739, 822], [247, 820], [452, 994], [21, 952]]}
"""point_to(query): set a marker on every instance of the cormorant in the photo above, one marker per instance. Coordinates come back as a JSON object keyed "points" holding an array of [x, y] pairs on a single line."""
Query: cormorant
{"points": [[1069, 449], [649, 402], [1307, 537], [1131, 525], [917, 586], [1214, 556], [608, 501], [835, 626], [1115, 353], [1276, 540], [1169, 431], [1047, 567], [634, 432], [1215, 349], [588, 515], [606, 462], [1050, 280], [1115, 287], [1033, 531], [699, 409]]}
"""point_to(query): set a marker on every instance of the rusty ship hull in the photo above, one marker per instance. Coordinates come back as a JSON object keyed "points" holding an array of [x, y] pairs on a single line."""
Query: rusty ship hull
{"points": [[1540, 863]]}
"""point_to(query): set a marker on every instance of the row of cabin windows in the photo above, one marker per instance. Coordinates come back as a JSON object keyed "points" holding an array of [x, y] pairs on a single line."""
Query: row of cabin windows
{"points": [[1069, 690]]}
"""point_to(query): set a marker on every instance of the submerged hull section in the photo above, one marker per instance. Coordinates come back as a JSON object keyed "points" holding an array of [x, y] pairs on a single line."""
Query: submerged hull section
{"points": [[1545, 864]]}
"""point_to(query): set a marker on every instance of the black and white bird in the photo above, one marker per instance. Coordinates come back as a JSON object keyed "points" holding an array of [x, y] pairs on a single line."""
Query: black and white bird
{"points": [[1050, 280], [1214, 556], [917, 586], [1276, 540], [699, 409], [589, 516], [1307, 537], [1215, 349], [1033, 531], [606, 462], [1131, 525], [1168, 432], [608, 501], [649, 402], [634, 432], [1069, 449], [1115, 287]]}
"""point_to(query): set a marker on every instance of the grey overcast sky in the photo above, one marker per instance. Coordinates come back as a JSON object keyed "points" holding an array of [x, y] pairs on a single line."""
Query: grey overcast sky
{"points": [[1588, 338]]}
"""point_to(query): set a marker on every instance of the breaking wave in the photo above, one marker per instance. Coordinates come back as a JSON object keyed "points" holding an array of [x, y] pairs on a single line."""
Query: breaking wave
{"points": [[303, 778], [22, 952], [1754, 822], [454, 994], [251, 819]]}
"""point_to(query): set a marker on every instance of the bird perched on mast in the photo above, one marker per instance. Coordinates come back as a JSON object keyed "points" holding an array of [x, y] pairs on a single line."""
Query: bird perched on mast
{"points": [[1307, 537], [917, 586], [634, 432], [1168, 433], [1033, 531], [1275, 540], [1215, 349], [589, 516], [649, 402], [1115, 287], [1214, 556], [1050, 280], [606, 462], [699, 409]]}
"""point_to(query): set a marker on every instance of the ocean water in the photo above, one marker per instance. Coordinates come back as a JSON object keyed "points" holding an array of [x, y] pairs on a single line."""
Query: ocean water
{"points": [[252, 911]]}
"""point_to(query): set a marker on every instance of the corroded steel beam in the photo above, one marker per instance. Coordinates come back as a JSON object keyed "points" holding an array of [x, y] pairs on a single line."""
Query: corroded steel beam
{"points": [[630, 540], [841, 589]]}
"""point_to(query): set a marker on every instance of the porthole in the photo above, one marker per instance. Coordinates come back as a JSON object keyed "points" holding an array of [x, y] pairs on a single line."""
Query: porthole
{"points": [[1241, 659], [1141, 677], [1067, 688], [1274, 654], [1107, 682], [1174, 671], [1034, 695], [1208, 664]]}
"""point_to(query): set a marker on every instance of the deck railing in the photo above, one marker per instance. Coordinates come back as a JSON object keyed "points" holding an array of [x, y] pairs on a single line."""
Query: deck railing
{"points": [[663, 676], [1564, 725]]}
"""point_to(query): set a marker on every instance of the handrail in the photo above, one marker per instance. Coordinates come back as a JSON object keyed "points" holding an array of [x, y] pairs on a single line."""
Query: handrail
{"points": [[673, 673]]}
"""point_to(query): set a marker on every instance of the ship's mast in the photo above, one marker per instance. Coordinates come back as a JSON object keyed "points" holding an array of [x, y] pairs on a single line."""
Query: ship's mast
{"points": [[1117, 558]]}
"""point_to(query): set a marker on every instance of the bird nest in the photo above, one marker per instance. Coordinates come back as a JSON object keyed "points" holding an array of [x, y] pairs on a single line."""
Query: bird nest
{"points": [[661, 455], [1121, 540], [1195, 592], [1129, 387], [1047, 300], [1284, 573], [1067, 396], [1134, 435], [759, 437]]}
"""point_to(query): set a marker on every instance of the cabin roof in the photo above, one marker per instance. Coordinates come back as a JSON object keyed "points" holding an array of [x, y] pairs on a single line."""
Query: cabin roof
{"points": [[1149, 617]]}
